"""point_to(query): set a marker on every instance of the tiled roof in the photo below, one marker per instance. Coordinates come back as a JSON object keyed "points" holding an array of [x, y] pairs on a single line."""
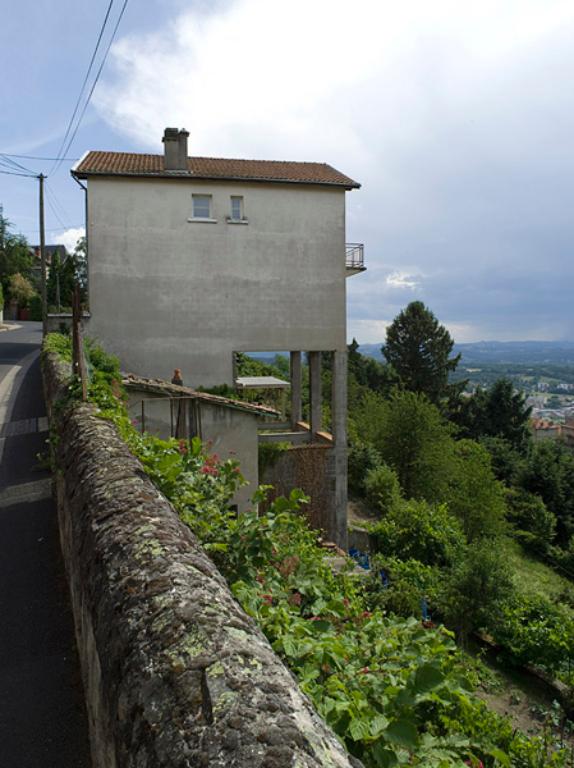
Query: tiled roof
{"points": [[161, 387], [134, 164]]}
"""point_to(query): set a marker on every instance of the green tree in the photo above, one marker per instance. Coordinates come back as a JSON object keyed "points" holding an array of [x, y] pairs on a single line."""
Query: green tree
{"points": [[499, 411], [61, 281], [474, 495], [418, 349], [476, 591], [549, 473], [413, 438], [21, 289], [15, 255]]}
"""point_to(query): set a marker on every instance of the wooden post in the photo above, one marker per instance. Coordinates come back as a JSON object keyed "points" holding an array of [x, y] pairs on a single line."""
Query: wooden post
{"points": [[78, 362]]}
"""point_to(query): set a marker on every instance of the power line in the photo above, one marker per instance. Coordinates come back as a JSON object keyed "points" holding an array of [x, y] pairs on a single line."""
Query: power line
{"points": [[37, 157], [16, 173], [13, 165], [99, 72], [59, 160], [49, 197]]}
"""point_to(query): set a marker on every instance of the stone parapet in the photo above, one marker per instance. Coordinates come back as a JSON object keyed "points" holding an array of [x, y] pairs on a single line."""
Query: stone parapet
{"points": [[175, 673]]}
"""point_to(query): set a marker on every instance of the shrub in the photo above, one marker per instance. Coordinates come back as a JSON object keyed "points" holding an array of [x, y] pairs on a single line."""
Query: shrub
{"points": [[476, 590], [399, 586], [362, 458], [382, 489], [535, 631], [36, 308], [21, 289], [417, 530], [534, 523], [1, 297]]}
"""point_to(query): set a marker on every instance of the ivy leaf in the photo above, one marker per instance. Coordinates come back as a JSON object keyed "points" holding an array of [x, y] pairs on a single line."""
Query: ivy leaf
{"points": [[383, 756], [501, 757], [359, 729], [378, 725], [427, 678], [403, 733]]}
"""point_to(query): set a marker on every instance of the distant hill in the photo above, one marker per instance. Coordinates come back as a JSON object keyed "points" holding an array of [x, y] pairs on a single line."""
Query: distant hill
{"points": [[509, 352]]}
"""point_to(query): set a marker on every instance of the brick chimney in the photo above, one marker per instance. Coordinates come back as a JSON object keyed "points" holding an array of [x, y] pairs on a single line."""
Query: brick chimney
{"points": [[175, 149]]}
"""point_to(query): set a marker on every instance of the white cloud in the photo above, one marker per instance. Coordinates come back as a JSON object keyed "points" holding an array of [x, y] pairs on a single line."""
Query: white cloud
{"points": [[456, 115], [312, 79], [402, 280], [368, 331], [69, 238]]}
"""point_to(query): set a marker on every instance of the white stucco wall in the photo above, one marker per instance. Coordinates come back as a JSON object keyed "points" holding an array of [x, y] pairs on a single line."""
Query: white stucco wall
{"points": [[167, 293]]}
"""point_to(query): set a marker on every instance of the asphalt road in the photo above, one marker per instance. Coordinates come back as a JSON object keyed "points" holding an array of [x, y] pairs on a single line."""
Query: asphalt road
{"points": [[42, 713]]}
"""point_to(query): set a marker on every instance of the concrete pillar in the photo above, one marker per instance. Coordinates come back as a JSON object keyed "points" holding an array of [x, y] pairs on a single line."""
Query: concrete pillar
{"points": [[296, 411], [339, 431], [315, 391]]}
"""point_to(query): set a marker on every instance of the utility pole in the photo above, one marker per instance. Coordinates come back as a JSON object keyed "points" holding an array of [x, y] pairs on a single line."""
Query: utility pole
{"points": [[41, 178]]}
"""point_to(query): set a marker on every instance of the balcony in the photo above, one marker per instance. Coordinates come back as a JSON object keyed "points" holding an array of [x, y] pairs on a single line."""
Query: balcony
{"points": [[354, 258]]}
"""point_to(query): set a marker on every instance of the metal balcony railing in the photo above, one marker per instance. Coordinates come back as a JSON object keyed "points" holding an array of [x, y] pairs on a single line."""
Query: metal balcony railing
{"points": [[355, 256]]}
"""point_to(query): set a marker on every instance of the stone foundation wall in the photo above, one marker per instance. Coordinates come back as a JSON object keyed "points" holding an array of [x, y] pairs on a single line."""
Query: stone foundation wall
{"points": [[310, 467], [175, 673]]}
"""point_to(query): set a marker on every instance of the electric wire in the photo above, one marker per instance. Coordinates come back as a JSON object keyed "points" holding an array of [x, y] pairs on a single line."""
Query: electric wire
{"points": [[13, 165], [16, 173], [37, 157], [59, 160], [99, 72], [50, 199], [57, 202]]}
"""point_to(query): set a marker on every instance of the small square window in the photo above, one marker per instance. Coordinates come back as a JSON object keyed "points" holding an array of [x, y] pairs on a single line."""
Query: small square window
{"points": [[201, 206], [236, 208]]}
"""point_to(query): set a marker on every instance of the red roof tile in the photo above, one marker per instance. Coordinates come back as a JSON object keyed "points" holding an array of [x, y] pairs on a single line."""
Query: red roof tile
{"points": [[133, 164]]}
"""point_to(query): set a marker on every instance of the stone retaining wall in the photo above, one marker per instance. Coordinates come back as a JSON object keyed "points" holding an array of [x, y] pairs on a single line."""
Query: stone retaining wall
{"points": [[310, 467], [174, 671]]}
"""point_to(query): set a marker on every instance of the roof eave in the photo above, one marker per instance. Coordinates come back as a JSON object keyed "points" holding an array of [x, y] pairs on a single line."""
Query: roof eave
{"points": [[187, 175]]}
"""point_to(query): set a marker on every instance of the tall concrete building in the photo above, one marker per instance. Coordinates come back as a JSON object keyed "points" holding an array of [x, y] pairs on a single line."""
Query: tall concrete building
{"points": [[193, 259]]}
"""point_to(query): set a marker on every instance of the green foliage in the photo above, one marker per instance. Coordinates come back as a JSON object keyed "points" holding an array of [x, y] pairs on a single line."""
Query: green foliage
{"points": [[393, 691], [1, 297], [36, 308], [535, 525], [412, 438], [61, 282], [418, 530], [382, 489], [15, 255], [500, 412], [506, 461], [549, 473], [21, 289], [58, 344], [476, 589], [367, 374], [533, 630], [418, 349], [473, 494], [361, 460], [407, 583]]}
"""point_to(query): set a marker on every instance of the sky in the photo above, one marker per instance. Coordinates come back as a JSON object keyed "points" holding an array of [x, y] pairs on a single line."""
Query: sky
{"points": [[456, 116]]}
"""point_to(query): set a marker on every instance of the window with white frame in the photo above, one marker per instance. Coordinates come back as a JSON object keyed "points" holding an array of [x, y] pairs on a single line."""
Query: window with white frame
{"points": [[201, 206], [236, 208]]}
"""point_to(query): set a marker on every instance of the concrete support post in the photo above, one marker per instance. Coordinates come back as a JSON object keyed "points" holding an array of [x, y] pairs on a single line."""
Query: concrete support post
{"points": [[315, 391], [296, 411], [339, 431]]}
